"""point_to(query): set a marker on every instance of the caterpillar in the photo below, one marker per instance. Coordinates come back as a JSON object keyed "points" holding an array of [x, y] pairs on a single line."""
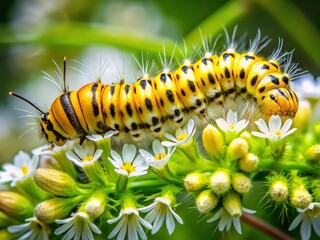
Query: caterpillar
{"points": [[193, 88]]}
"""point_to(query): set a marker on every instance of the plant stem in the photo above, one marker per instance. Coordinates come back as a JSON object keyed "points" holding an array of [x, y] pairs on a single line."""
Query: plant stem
{"points": [[226, 15], [299, 27], [264, 227]]}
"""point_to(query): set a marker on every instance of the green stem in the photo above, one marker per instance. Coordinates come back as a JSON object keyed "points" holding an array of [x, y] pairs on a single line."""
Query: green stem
{"points": [[147, 183], [286, 166], [299, 27], [80, 35], [211, 26]]}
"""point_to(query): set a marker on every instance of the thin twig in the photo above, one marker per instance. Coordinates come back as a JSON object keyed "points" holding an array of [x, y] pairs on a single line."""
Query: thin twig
{"points": [[264, 227]]}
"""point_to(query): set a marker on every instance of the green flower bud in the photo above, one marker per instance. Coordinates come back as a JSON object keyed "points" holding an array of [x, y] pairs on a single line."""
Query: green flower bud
{"points": [[232, 203], [246, 136], [56, 182], [300, 197], [313, 155], [5, 234], [241, 183], [249, 162], [206, 201], [15, 205], [6, 221], [316, 131], [212, 140], [55, 208], [220, 181], [238, 148], [96, 204], [279, 191], [302, 117], [195, 181]]}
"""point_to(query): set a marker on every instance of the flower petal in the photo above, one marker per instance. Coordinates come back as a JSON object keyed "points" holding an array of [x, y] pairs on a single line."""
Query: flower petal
{"points": [[296, 221]]}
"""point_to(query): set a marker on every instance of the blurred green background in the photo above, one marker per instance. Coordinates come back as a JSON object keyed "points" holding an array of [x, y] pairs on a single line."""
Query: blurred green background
{"points": [[106, 33]]}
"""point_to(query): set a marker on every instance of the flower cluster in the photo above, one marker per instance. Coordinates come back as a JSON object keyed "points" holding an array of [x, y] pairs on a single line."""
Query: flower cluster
{"points": [[138, 189]]}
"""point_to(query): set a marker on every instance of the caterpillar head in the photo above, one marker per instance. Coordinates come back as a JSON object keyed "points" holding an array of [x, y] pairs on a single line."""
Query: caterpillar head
{"points": [[49, 132]]}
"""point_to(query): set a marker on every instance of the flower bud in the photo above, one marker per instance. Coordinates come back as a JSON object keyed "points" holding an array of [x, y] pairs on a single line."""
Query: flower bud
{"points": [[5, 221], [5, 234], [95, 205], [56, 182], [220, 181], [316, 131], [241, 183], [303, 114], [232, 203], [278, 191], [238, 148], [15, 205], [55, 208], [206, 201], [246, 136], [195, 181], [249, 162], [212, 140], [300, 197], [313, 155]]}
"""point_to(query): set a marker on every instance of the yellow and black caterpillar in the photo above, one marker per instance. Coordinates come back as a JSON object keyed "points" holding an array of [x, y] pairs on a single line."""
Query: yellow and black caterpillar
{"points": [[194, 88]]}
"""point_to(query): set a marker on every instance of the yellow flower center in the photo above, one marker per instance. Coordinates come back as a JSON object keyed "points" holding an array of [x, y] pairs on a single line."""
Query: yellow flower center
{"points": [[24, 170], [231, 126], [182, 136], [87, 158], [314, 213], [160, 156], [278, 133], [128, 167]]}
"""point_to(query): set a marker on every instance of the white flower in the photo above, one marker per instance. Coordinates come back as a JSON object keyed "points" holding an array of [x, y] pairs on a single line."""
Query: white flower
{"points": [[129, 224], [274, 131], [159, 211], [226, 220], [309, 218], [182, 135], [32, 230], [232, 124], [129, 165], [160, 156], [23, 166], [98, 137], [84, 155], [306, 86], [78, 226], [48, 149]]}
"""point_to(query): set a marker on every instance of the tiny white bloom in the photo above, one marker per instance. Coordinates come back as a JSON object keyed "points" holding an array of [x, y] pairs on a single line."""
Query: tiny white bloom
{"points": [[182, 136], [274, 131], [226, 220], [98, 137], [232, 124], [23, 167], [84, 155], [160, 156], [32, 230], [48, 149], [130, 224], [159, 211], [306, 86], [129, 165], [309, 218], [78, 226]]}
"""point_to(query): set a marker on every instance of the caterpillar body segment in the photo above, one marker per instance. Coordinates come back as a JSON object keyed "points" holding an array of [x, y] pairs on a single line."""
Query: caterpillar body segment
{"points": [[166, 96], [156, 104]]}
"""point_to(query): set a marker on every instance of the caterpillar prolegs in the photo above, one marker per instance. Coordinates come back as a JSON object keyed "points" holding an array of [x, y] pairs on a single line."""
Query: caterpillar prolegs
{"points": [[151, 104]]}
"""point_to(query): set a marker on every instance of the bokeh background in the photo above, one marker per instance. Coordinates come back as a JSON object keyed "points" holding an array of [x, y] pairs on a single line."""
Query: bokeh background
{"points": [[105, 35]]}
